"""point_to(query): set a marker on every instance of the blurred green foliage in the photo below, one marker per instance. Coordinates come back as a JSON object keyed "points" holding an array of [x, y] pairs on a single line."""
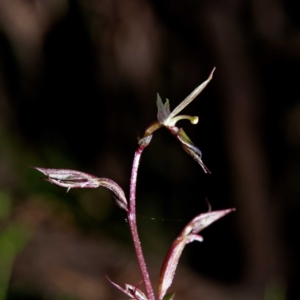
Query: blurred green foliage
{"points": [[13, 239], [276, 290]]}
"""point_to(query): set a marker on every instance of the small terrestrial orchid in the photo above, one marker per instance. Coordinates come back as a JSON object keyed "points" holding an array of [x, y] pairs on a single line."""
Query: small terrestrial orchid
{"points": [[76, 179]]}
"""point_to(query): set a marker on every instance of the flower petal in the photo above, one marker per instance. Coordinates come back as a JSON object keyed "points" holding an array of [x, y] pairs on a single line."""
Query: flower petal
{"points": [[191, 149], [190, 97], [163, 110]]}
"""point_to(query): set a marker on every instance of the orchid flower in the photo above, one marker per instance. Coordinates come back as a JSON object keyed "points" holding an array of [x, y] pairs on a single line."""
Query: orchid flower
{"points": [[169, 120]]}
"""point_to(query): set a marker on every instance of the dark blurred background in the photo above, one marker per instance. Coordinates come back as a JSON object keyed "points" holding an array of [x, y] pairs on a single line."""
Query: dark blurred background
{"points": [[78, 84]]}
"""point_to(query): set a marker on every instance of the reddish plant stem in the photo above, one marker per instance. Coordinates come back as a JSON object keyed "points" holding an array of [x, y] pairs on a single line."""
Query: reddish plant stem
{"points": [[131, 215]]}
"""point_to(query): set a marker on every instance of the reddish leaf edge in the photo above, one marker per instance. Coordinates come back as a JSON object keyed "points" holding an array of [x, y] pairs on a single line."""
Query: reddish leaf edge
{"points": [[187, 235], [70, 179]]}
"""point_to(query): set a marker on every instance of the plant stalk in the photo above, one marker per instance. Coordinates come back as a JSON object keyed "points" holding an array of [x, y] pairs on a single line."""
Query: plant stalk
{"points": [[131, 215]]}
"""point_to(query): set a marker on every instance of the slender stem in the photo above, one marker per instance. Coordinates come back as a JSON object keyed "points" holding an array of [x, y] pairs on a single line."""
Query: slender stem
{"points": [[133, 226]]}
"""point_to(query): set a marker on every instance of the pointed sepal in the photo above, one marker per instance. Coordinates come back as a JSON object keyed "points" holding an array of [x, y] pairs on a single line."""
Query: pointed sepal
{"points": [[190, 148], [191, 96]]}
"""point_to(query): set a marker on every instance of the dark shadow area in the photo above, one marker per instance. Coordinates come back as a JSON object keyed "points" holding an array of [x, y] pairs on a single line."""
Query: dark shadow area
{"points": [[78, 84]]}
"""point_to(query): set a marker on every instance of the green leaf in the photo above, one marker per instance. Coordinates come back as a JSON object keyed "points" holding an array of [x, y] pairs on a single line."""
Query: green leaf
{"points": [[169, 296], [5, 205]]}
